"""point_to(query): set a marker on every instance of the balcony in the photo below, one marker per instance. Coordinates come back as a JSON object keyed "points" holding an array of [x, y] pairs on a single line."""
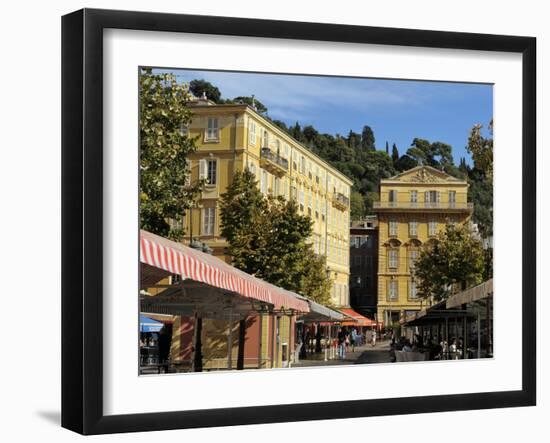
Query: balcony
{"points": [[340, 201], [423, 206], [273, 162]]}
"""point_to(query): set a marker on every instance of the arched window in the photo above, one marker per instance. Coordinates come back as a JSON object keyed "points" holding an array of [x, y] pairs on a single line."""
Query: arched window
{"points": [[393, 248]]}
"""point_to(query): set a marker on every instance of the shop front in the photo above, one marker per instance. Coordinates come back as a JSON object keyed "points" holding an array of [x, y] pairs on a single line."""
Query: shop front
{"points": [[223, 318]]}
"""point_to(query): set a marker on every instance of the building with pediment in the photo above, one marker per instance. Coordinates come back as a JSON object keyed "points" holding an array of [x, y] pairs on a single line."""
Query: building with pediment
{"points": [[414, 207], [231, 137]]}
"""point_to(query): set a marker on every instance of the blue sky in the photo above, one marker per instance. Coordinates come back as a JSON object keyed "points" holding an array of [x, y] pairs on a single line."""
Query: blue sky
{"points": [[396, 110]]}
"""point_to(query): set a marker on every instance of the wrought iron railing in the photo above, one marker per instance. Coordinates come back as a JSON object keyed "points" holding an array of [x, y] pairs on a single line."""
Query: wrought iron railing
{"points": [[423, 205], [341, 198], [273, 157]]}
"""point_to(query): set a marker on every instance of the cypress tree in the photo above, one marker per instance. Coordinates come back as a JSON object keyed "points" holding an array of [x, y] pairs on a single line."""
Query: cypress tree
{"points": [[394, 154]]}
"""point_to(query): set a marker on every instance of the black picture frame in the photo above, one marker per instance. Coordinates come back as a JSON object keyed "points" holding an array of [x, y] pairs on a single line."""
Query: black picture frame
{"points": [[82, 218]]}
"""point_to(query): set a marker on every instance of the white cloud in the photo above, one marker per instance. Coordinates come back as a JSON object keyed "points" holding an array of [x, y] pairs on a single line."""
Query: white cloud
{"points": [[305, 92]]}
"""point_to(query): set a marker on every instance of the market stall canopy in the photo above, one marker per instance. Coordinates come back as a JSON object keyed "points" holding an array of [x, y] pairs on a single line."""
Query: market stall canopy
{"points": [[451, 307], [432, 315], [147, 324], [479, 292], [320, 313], [357, 319], [166, 319], [176, 258]]}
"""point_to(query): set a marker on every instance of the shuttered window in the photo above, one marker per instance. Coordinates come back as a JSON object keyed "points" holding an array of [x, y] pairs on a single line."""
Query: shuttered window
{"points": [[212, 132], [252, 133], [413, 228], [392, 290], [393, 228], [392, 259], [432, 228], [208, 219], [412, 289], [413, 256]]}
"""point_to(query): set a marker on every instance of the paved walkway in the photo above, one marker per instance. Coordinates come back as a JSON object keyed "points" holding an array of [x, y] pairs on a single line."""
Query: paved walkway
{"points": [[378, 354], [362, 355]]}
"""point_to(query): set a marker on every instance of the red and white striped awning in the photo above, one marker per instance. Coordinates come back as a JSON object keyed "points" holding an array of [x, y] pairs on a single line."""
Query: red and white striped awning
{"points": [[179, 259], [358, 319]]}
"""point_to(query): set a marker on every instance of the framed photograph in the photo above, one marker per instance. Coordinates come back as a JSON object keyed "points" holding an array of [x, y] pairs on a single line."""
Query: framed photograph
{"points": [[269, 221]]}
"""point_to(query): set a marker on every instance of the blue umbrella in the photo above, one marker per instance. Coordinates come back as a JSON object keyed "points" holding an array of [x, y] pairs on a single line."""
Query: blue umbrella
{"points": [[147, 324]]}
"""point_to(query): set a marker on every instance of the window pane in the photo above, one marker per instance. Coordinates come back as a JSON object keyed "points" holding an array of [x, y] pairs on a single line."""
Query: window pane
{"points": [[393, 259], [212, 132], [393, 289], [252, 133], [208, 221], [211, 173], [413, 255], [412, 286]]}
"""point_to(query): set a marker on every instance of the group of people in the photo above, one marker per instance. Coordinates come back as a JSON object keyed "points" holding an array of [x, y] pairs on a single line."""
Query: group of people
{"points": [[438, 349], [155, 347], [347, 339]]}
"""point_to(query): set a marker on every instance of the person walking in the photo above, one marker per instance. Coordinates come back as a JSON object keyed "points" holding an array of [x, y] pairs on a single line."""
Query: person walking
{"points": [[353, 339], [373, 338], [341, 344]]}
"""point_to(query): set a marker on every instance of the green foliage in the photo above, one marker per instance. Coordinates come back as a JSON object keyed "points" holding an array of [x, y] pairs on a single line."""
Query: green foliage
{"points": [[488, 264], [394, 154], [437, 154], [200, 87], [481, 149], [367, 138], [405, 163], [314, 282], [354, 140], [282, 125], [480, 178], [241, 213], [481, 193], [463, 167], [164, 149], [268, 238], [357, 205], [454, 261], [260, 107], [310, 133]]}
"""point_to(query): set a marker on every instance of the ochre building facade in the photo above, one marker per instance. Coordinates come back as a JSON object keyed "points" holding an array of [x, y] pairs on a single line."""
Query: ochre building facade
{"points": [[414, 207], [230, 138]]}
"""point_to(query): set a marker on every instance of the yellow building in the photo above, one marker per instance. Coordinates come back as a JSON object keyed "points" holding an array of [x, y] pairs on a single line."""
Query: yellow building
{"points": [[414, 206], [232, 137]]}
